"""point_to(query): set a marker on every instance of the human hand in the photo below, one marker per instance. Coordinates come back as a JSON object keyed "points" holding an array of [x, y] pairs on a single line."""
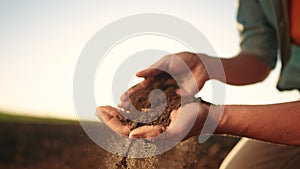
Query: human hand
{"points": [[111, 117], [187, 68], [186, 122]]}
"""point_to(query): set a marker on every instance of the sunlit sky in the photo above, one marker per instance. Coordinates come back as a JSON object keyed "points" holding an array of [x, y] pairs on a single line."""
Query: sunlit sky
{"points": [[42, 40]]}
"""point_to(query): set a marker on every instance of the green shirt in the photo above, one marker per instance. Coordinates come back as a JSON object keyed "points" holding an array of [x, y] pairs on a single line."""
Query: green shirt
{"points": [[264, 31]]}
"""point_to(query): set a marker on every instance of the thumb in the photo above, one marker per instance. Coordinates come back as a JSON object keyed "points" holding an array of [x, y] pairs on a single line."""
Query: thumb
{"points": [[145, 132]]}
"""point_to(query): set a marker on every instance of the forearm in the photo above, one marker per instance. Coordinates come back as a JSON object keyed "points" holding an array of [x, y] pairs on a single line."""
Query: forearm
{"points": [[277, 123], [240, 70]]}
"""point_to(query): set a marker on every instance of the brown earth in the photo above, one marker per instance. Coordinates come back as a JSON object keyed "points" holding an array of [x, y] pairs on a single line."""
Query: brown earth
{"points": [[165, 102], [66, 146]]}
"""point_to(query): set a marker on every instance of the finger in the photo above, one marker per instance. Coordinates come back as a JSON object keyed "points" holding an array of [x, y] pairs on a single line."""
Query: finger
{"points": [[108, 110], [158, 132], [123, 105], [173, 117], [109, 116], [146, 132], [153, 134], [126, 105], [170, 82], [124, 97], [149, 72]]}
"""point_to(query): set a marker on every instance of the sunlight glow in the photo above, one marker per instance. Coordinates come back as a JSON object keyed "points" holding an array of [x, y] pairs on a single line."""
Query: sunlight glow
{"points": [[41, 41]]}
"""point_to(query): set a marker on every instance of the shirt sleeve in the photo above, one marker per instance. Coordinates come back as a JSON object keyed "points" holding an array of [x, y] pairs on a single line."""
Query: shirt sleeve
{"points": [[257, 36]]}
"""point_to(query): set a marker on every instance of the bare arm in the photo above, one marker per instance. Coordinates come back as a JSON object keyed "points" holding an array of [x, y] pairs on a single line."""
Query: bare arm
{"points": [[240, 70], [277, 123]]}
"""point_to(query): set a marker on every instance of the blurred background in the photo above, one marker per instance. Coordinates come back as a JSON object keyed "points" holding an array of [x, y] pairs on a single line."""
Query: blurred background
{"points": [[42, 40]]}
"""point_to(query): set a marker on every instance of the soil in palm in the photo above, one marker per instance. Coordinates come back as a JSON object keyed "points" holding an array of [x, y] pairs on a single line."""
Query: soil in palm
{"points": [[154, 110]]}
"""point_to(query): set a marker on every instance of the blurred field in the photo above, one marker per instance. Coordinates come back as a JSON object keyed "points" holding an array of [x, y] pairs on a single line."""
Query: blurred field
{"points": [[37, 143]]}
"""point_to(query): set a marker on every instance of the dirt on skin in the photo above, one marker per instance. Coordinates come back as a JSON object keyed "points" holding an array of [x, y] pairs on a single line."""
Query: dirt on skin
{"points": [[151, 106]]}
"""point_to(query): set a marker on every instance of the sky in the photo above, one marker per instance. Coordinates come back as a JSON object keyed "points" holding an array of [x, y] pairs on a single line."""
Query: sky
{"points": [[42, 40]]}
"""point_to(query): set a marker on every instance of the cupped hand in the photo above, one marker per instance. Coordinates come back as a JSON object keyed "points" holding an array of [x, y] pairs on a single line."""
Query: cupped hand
{"points": [[186, 122], [187, 68]]}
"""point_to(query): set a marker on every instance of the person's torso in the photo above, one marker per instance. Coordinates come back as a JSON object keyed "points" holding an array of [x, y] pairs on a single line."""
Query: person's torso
{"points": [[285, 20]]}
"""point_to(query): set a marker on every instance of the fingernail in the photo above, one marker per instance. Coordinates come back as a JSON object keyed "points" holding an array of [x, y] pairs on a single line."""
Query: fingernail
{"points": [[132, 137]]}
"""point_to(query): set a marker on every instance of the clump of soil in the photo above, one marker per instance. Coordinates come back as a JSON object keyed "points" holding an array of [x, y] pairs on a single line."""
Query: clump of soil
{"points": [[141, 103], [156, 109]]}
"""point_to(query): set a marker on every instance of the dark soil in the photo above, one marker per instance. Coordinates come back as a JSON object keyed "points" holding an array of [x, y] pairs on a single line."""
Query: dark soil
{"points": [[66, 146], [147, 111], [141, 103]]}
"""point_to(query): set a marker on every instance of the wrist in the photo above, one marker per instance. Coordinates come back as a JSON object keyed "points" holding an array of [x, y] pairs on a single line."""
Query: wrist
{"points": [[233, 120], [219, 117], [202, 67], [214, 118], [214, 68]]}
